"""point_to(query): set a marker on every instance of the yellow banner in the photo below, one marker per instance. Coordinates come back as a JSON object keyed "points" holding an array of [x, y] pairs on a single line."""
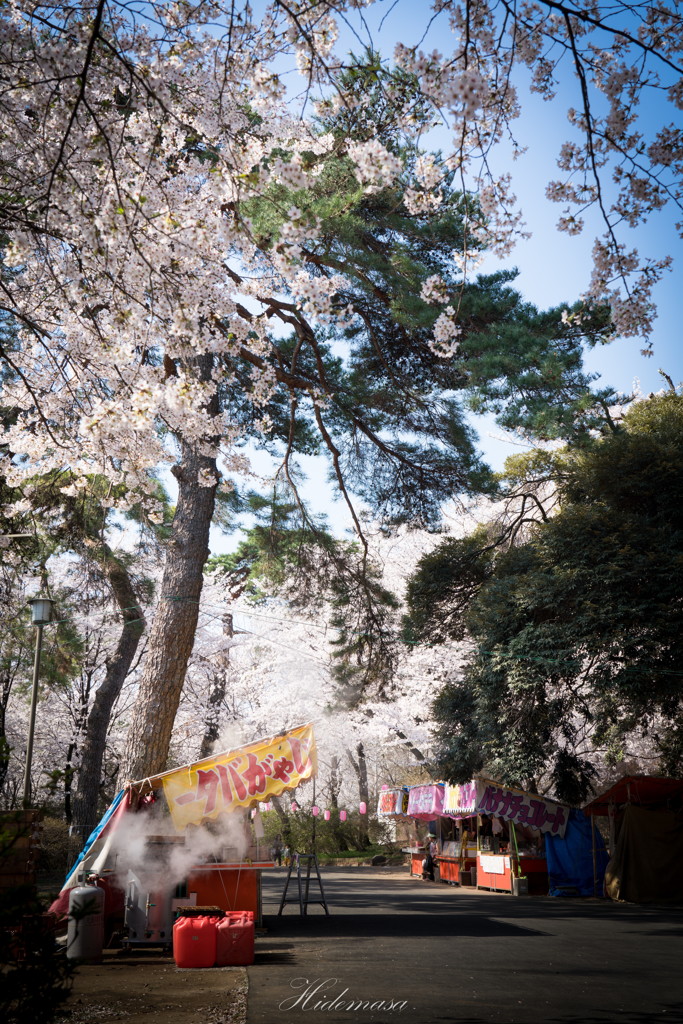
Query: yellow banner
{"points": [[240, 778]]}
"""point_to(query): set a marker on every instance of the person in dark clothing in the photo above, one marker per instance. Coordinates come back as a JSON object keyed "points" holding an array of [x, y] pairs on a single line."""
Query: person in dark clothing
{"points": [[428, 863]]}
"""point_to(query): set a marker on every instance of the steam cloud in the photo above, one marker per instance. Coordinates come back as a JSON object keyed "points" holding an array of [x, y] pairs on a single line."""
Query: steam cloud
{"points": [[147, 844]]}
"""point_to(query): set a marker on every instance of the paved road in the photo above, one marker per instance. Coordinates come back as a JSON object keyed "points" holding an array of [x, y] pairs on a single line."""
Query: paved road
{"points": [[434, 953]]}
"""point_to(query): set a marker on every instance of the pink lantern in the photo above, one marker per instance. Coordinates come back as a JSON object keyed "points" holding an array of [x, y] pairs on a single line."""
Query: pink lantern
{"points": [[385, 786], [362, 807], [294, 805], [342, 815], [315, 811], [326, 815]]}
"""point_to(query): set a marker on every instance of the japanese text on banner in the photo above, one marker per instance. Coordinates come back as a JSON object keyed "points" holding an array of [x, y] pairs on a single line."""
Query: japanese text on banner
{"points": [[239, 778], [524, 809]]}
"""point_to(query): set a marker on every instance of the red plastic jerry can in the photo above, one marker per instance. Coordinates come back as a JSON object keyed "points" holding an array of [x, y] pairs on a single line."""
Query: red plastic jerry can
{"points": [[235, 939], [194, 941]]}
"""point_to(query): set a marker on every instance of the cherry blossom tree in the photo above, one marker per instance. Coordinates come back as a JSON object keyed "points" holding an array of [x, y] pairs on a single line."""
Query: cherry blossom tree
{"points": [[166, 208]]}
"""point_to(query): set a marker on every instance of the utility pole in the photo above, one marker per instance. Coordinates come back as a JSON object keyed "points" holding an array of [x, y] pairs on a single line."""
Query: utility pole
{"points": [[41, 615]]}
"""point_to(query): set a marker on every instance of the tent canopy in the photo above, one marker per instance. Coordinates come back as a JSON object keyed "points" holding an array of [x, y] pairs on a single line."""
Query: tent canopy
{"points": [[635, 789]]}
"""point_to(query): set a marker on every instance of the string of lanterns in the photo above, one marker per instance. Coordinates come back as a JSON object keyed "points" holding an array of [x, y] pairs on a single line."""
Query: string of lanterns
{"points": [[315, 810]]}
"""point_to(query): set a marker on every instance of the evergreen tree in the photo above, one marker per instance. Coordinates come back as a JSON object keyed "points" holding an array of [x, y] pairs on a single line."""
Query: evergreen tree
{"points": [[576, 631]]}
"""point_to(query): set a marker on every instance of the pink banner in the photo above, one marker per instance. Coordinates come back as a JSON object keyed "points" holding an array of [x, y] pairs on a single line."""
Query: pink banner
{"points": [[425, 802]]}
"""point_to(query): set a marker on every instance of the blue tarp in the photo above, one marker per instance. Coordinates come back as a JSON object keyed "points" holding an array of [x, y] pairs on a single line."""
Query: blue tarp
{"points": [[97, 833], [570, 859]]}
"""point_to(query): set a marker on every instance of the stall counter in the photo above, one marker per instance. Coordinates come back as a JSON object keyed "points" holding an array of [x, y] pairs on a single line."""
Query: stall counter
{"points": [[417, 855], [451, 869], [494, 871], [232, 886]]}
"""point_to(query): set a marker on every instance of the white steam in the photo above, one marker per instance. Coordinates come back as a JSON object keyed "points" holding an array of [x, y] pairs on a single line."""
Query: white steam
{"points": [[147, 844]]}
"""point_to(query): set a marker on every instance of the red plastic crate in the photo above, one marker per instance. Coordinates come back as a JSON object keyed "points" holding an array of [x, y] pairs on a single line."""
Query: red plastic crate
{"points": [[235, 939]]}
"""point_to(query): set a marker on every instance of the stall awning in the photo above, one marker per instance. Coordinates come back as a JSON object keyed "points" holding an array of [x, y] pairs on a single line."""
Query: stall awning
{"points": [[425, 802], [483, 796], [635, 789], [521, 807]]}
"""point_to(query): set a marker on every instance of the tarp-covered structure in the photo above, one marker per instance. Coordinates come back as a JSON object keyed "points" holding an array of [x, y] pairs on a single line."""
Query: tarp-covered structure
{"points": [[234, 780], [646, 821], [577, 860]]}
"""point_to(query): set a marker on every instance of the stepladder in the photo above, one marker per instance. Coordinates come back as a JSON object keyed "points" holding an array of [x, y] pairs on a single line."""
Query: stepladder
{"points": [[304, 874]]}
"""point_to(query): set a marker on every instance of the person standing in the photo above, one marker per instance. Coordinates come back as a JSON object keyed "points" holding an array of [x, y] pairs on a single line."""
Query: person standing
{"points": [[429, 861]]}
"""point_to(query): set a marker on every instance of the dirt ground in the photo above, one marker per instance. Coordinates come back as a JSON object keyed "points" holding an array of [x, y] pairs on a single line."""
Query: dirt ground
{"points": [[146, 987]]}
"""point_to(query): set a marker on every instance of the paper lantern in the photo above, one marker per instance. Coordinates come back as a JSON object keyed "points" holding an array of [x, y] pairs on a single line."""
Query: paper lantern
{"points": [[315, 811], [326, 815], [385, 786], [342, 815], [363, 807]]}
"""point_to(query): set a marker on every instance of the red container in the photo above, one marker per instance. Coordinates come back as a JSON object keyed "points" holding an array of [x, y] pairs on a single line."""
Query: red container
{"points": [[235, 939], [194, 941]]}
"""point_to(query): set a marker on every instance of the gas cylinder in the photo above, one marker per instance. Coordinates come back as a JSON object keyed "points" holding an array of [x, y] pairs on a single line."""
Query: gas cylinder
{"points": [[194, 941], [85, 927], [235, 939]]}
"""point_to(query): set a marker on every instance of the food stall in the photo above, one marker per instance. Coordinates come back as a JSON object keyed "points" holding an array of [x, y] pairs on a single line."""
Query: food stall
{"points": [[185, 837], [488, 835], [512, 824], [457, 859], [425, 804], [644, 815]]}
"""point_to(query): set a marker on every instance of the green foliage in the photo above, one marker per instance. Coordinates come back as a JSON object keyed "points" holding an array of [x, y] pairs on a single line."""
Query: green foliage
{"points": [[280, 548], [577, 632], [333, 838], [55, 847], [444, 583], [361, 610]]}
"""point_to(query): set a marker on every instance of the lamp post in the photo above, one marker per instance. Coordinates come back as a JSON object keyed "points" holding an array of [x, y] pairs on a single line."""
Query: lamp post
{"points": [[41, 615]]}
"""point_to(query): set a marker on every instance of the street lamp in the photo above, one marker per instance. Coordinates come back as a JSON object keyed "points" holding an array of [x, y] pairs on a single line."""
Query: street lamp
{"points": [[41, 615]]}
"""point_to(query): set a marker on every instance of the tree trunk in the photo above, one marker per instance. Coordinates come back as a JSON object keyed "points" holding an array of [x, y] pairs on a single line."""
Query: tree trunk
{"points": [[284, 820], [4, 745], [172, 634], [86, 797], [335, 786], [216, 696], [68, 782], [361, 769]]}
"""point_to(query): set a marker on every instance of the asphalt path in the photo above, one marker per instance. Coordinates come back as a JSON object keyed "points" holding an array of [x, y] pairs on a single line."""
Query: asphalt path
{"points": [[396, 949]]}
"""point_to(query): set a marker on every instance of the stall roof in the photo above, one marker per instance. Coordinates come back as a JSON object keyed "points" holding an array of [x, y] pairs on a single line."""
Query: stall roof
{"points": [[635, 789]]}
